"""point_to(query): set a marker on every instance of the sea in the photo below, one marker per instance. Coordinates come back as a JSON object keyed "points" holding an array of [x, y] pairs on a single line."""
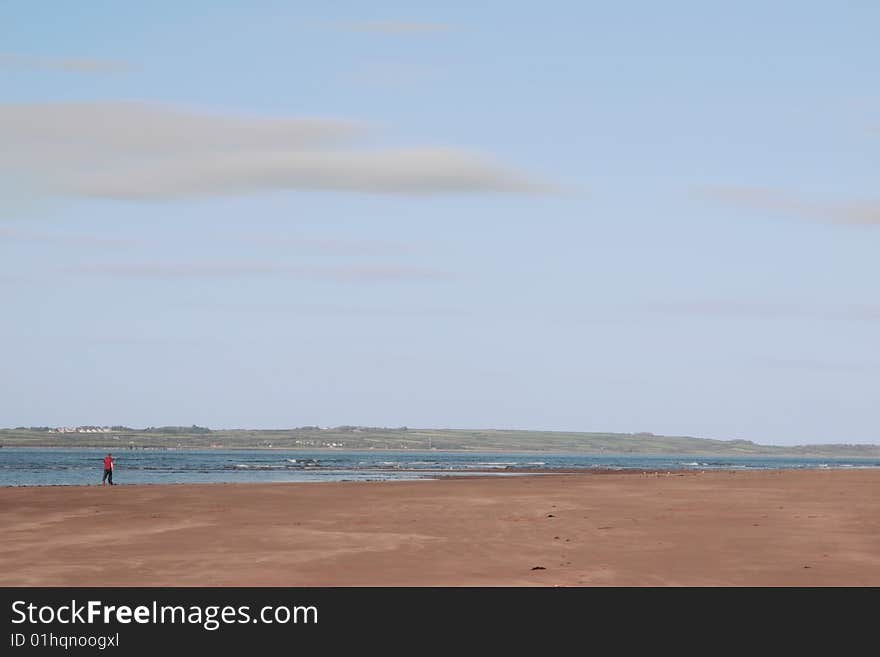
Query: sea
{"points": [[21, 466]]}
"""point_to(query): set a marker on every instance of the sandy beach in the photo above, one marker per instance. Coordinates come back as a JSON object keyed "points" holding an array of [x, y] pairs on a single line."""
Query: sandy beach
{"points": [[763, 528]]}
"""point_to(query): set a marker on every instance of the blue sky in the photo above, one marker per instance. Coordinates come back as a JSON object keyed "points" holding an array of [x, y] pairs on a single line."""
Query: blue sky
{"points": [[628, 216]]}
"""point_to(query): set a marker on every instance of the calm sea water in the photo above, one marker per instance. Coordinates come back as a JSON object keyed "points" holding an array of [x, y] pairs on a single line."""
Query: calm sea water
{"points": [[46, 467]]}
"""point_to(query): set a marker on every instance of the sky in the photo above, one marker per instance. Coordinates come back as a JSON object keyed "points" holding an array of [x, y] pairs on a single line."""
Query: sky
{"points": [[583, 216]]}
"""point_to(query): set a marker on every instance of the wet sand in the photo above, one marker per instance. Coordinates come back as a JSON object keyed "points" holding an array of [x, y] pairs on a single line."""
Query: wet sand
{"points": [[766, 528]]}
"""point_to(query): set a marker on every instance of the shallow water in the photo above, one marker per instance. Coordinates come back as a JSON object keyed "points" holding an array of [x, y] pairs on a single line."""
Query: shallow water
{"points": [[77, 466]]}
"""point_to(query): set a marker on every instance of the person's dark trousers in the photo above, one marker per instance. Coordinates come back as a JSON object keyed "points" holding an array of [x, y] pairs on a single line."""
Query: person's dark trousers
{"points": [[108, 476]]}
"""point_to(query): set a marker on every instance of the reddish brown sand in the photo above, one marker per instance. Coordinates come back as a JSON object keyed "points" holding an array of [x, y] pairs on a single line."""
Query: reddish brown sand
{"points": [[814, 528]]}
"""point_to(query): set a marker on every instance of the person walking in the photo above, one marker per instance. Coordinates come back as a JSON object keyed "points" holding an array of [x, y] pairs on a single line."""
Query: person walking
{"points": [[108, 470]]}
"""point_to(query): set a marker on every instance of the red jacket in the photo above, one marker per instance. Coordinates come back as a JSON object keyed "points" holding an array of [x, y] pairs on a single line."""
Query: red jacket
{"points": [[108, 463]]}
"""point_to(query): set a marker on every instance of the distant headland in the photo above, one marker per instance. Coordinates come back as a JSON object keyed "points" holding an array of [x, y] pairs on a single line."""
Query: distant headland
{"points": [[400, 438]]}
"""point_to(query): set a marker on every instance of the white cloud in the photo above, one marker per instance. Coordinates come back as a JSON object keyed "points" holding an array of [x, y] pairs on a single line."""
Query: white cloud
{"points": [[862, 212], [140, 151]]}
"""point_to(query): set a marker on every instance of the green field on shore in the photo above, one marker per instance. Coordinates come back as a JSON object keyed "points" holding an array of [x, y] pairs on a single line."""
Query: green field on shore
{"points": [[354, 437]]}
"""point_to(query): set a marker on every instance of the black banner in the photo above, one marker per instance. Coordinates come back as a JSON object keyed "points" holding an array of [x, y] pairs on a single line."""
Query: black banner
{"points": [[156, 620]]}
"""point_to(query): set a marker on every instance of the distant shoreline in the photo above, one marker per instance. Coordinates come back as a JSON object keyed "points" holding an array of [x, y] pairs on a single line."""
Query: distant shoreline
{"points": [[370, 439], [488, 450], [391, 439]]}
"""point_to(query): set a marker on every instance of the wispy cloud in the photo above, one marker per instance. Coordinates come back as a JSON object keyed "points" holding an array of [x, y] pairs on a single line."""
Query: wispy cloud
{"points": [[766, 310], [300, 244], [860, 212], [325, 246], [395, 27], [821, 366], [393, 75], [336, 310], [13, 235], [89, 65], [143, 130], [141, 340], [341, 274], [145, 152], [412, 172]]}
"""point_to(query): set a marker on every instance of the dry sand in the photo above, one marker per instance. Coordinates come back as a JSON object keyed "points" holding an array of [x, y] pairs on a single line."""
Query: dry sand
{"points": [[767, 528]]}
